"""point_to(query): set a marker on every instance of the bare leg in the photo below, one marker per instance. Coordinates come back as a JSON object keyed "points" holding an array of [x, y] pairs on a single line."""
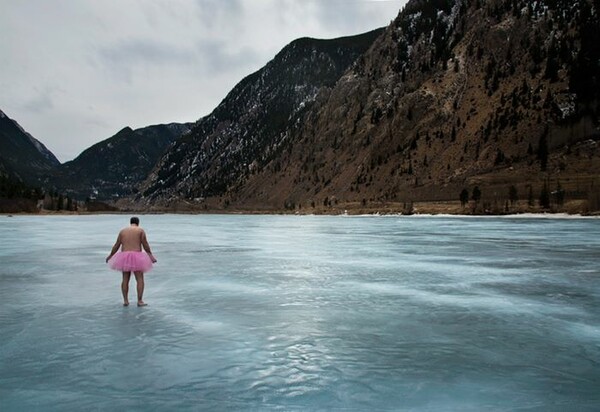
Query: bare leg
{"points": [[139, 278], [125, 287]]}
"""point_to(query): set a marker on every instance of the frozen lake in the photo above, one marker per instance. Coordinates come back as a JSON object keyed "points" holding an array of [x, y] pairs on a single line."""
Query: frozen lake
{"points": [[303, 313]]}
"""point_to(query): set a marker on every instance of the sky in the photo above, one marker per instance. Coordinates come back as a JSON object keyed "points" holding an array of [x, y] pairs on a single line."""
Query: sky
{"points": [[75, 72]]}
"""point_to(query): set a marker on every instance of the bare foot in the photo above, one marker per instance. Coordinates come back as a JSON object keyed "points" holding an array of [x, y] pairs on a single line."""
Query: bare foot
{"points": [[141, 303], [125, 303]]}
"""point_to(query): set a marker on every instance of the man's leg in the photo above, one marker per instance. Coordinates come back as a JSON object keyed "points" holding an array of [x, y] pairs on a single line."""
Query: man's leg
{"points": [[125, 287], [139, 278]]}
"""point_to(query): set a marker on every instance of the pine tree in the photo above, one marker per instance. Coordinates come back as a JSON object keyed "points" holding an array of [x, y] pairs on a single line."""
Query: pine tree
{"points": [[464, 197], [476, 196], [560, 194], [545, 197], [530, 197], [512, 195], [543, 151]]}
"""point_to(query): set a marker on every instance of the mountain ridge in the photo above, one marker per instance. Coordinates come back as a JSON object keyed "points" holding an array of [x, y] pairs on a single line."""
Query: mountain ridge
{"points": [[250, 125], [453, 95]]}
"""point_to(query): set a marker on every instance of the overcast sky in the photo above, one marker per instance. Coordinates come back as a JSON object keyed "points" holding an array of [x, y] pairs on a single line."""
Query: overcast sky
{"points": [[74, 72]]}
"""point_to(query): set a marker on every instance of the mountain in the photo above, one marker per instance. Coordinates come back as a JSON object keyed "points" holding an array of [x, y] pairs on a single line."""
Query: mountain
{"points": [[22, 157], [498, 95], [113, 167], [107, 170], [251, 125]]}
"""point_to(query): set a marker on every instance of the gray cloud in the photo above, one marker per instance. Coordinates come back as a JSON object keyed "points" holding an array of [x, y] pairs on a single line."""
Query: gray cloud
{"points": [[40, 102], [130, 54], [217, 56], [144, 51], [338, 15], [213, 13]]}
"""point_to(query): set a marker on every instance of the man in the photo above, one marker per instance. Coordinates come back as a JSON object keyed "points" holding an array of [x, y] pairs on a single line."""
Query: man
{"points": [[131, 258]]}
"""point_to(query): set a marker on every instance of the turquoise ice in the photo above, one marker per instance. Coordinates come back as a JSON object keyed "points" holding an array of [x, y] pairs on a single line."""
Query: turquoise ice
{"points": [[303, 313]]}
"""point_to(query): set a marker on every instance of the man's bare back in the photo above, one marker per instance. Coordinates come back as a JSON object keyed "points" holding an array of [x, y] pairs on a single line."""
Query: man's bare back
{"points": [[132, 239]]}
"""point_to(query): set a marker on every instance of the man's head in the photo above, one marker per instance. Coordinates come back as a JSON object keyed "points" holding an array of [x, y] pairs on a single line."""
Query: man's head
{"points": [[134, 221]]}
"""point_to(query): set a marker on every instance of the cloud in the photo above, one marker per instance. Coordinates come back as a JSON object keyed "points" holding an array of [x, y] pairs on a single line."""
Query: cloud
{"points": [[40, 102], [213, 13], [146, 52], [216, 56], [129, 55], [344, 15]]}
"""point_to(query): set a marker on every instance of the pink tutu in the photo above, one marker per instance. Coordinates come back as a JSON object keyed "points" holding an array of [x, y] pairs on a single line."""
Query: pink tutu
{"points": [[130, 262]]}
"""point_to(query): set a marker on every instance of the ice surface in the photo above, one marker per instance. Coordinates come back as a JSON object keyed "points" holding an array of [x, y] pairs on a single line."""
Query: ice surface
{"points": [[303, 313]]}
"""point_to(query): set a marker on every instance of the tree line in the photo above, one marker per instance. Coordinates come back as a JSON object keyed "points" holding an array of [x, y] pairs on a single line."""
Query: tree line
{"points": [[546, 198], [14, 189]]}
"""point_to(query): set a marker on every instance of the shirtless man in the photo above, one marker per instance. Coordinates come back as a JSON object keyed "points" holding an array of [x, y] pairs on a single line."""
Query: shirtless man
{"points": [[131, 258]]}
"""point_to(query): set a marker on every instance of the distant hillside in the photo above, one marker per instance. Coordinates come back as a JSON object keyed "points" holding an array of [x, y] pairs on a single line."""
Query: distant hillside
{"points": [[113, 167], [251, 125], [107, 170], [22, 157], [502, 95]]}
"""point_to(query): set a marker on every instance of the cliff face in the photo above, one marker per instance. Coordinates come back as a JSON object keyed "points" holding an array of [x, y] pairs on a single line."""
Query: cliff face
{"points": [[453, 94]]}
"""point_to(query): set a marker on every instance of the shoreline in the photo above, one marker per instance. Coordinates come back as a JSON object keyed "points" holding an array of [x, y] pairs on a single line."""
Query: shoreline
{"points": [[522, 215], [373, 215], [575, 208], [486, 206]]}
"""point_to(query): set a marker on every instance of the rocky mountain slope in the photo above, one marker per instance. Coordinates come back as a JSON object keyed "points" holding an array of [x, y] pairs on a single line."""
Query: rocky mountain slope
{"points": [[114, 167], [252, 124], [22, 157], [498, 94]]}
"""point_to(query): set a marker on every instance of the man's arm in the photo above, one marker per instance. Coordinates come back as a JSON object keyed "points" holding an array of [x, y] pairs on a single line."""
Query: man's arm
{"points": [[115, 248], [146, 247]]}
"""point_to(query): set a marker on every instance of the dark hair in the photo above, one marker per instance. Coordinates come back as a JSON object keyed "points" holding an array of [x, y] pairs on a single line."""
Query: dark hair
{"points": [[134, 221]]}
